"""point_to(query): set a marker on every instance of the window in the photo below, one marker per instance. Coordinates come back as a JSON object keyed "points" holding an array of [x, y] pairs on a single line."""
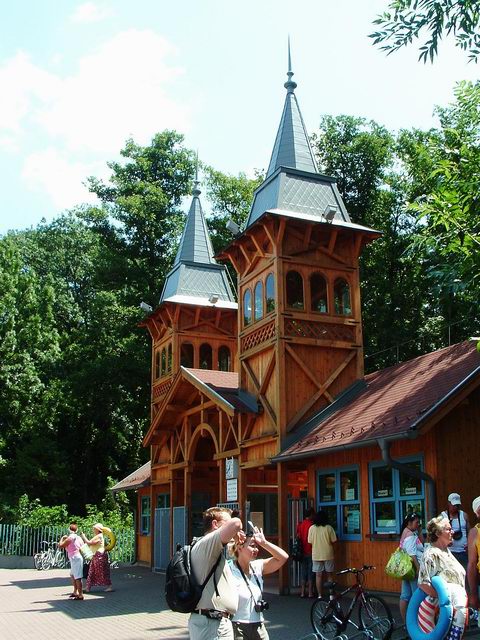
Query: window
{"points": [[294, 288], [186, 354], [339, 496], [270, 293], [157, 364], [259, 301], [267, 504], [247, 307], [164, 362], [318, 293], [205, 356], [341, 297], [163, 501], [169, 359], [393, 495], [145, 516], [224, 359]]}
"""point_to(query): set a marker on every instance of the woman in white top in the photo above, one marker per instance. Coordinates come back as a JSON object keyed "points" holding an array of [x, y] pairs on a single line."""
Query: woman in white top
{"points": [[248, 572], [411, 541]]}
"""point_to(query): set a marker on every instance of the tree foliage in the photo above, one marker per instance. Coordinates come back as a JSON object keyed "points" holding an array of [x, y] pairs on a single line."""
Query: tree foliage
{"points": [[407, 20]]}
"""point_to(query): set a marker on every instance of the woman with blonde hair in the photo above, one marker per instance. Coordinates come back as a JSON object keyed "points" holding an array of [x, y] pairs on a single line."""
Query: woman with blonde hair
{"points": [[438, 560], [99, 569], [248, 571]]}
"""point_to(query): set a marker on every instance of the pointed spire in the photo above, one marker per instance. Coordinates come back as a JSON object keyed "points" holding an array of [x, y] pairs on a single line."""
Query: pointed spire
{"points": [[196, 186], [292, 145]]}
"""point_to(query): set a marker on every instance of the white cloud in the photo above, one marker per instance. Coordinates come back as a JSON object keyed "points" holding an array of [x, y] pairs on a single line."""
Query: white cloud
{"points": [[53, 172], [89, 12]]}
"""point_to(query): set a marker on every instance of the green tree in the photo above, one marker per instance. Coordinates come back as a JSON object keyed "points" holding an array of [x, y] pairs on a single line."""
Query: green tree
{"points": [[407, 20]]}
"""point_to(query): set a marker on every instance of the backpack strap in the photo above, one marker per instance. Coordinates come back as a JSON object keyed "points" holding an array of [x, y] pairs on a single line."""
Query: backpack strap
{"points": [[210, 574]]}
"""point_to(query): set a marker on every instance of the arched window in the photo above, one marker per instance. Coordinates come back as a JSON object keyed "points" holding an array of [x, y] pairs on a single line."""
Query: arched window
{"points": [[186, 354], [259, 300], [318, 293], [169, 359], [341, 297], [205, 356], [294, 290], [224, 359], [247, 307], [164, 362], [270, 293], [157, 365]]}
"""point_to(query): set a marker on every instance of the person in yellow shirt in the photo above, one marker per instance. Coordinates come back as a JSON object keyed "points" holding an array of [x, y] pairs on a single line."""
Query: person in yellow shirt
{"points": [[322, 537], [473, 568]]}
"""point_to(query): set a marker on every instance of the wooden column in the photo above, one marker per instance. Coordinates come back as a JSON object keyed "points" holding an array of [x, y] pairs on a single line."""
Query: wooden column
{"points": [[187, 497], [242, 492], [283, 579]]}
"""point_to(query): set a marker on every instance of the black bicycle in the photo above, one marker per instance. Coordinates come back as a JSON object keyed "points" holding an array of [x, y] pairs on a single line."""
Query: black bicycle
{"points": [[374, 616]]}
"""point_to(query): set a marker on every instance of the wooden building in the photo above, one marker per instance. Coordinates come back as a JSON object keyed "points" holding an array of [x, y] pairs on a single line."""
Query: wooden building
{"points": [[265, 407]]}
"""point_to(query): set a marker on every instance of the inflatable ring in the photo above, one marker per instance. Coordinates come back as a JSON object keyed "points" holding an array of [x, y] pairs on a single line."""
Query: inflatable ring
{"points": [[445, 616], [112, 539]]}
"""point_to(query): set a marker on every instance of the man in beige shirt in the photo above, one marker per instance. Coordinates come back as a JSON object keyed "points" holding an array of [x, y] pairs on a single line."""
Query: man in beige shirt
{"points": [[219, 601]]}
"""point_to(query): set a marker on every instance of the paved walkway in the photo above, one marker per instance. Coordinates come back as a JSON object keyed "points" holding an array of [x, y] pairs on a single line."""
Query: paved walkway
{"points": [[34, 606]]}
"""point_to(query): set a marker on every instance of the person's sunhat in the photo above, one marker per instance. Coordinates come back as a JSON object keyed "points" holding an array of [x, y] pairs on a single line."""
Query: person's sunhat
{"points": [[454, 498], [476, 504], [98, 527]]}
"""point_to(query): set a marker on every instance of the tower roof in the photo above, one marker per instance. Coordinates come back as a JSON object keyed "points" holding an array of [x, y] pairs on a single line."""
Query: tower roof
{"points": [[196, 275]]}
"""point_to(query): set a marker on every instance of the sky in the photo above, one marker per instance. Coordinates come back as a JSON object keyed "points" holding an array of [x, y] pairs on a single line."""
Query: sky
{"points": [[79, 78]]}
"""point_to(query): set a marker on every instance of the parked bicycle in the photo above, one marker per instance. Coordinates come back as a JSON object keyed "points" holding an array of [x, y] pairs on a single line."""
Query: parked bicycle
{"points": [[329, 620], [50, 557]]}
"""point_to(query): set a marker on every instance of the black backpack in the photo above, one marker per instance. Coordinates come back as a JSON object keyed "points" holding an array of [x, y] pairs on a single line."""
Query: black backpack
{"points": [[182, 591]]}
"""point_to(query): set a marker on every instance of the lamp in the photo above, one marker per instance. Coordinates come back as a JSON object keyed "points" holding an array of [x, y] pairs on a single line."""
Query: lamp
{"points": [[233, 227], [213, 299], [145, 307], [329, 213]]}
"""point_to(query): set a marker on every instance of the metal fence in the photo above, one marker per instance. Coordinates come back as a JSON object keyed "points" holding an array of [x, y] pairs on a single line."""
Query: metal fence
{"points": [[20, 540]]}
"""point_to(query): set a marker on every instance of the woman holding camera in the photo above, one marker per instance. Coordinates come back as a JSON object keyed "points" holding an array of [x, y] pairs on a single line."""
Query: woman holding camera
{"points": [[248, 572]]}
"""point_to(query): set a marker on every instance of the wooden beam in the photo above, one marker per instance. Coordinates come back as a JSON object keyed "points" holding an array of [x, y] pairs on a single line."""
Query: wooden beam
{"points": [[250, 464], [332, 241], [267, 437], [268, 373], [227, 454], [269, 235], [233, 260], [302, 366], [280, 234], [307, 236], [266, 405], [259, 248]]}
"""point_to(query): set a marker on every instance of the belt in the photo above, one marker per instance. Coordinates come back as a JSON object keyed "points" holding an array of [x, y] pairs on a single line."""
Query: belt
{"points": [[213, 614]]}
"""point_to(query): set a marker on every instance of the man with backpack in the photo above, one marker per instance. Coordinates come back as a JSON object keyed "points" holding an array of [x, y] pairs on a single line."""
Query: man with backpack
{"points": [[211, 618]]}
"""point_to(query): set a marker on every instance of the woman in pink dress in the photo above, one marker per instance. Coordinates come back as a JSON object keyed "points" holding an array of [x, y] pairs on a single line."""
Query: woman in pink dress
{"points": [[99, 570]]}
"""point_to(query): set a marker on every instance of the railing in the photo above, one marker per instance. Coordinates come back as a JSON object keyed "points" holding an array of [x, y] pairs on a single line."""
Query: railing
{"points": [[20, 540]]}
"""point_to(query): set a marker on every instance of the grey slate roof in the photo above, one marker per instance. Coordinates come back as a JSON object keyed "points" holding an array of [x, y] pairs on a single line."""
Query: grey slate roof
{"points": [[195, 273]]}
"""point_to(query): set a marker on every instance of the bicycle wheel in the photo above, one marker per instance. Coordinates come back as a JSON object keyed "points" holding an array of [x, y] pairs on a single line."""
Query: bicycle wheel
{"points": [[323, 622], [59, 560], [37, 561], [376, 616], [47, 562]]}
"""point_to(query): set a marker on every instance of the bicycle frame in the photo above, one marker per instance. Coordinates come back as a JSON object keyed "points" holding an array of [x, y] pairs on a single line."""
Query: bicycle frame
{"points": [[344, 618]]}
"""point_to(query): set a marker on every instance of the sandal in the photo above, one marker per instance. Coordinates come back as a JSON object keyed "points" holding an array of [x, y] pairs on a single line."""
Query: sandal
{"points": [[72, 595], [79, 598]]}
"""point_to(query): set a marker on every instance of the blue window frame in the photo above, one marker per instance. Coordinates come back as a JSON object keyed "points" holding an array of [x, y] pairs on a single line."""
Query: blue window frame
{"points": [[394, 494], [145, 516], [338, 492]]}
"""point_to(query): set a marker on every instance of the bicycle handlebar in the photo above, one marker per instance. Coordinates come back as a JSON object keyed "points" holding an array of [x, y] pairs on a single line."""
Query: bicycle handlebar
{"points": [[366, 567]]}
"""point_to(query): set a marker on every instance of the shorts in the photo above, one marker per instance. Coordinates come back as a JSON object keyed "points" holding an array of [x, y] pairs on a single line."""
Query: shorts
{"points": [[76, 567], [306, 568], [323, 565], [408, 589]]}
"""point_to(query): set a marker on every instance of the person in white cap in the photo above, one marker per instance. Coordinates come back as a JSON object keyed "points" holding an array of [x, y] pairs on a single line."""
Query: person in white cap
{"points": [[460, 527], [473, 569]]}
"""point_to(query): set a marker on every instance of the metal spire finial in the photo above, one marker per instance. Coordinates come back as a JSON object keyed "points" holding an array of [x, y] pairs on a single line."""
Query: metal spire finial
{"points": [[196, 191], [290, 85]]}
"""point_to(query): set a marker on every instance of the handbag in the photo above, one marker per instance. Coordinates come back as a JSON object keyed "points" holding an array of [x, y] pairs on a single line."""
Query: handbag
{"points": [[400, 565], [297, 549]]}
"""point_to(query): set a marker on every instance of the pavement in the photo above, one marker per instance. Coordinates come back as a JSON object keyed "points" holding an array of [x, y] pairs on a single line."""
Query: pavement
{"points": [[34, 605]]}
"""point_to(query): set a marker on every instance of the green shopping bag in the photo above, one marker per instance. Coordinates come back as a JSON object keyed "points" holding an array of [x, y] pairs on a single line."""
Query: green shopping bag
{"points": [[400, 566]]}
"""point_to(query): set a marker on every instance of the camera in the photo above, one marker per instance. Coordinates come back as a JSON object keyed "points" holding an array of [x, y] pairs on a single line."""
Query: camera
{"points": [[456, 535], [261, 605]]}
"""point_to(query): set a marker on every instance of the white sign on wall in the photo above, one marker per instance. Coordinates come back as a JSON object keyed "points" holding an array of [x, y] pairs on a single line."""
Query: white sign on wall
{"points": [[232, 490], [231, 468]]}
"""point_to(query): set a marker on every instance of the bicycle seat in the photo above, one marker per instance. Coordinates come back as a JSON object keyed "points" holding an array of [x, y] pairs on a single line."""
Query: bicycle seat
{"points": [[329, 585]]}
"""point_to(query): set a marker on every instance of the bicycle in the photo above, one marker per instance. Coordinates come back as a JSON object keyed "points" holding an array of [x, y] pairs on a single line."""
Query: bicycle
{"points": [[375, 617], [50, 557]]}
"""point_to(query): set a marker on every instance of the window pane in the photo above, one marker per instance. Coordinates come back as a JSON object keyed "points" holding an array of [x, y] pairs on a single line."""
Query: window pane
{"points": [[163, 501], [294, 290], [270, 293], [157, 364], [382, 482], [205, 356], [224, 359], [413, 506], [385, 516], [169, 359], [318, 293], [186, 355], [410, 486], [327, 487], [259, 300], [331, 515], [348, 485], [247, 307], [341, 296], [351, 519], [164, 362]]}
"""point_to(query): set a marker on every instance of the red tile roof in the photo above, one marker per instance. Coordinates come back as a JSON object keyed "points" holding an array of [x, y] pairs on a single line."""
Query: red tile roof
{"points": [[137, 479], [394, 401], [225, 384]]}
